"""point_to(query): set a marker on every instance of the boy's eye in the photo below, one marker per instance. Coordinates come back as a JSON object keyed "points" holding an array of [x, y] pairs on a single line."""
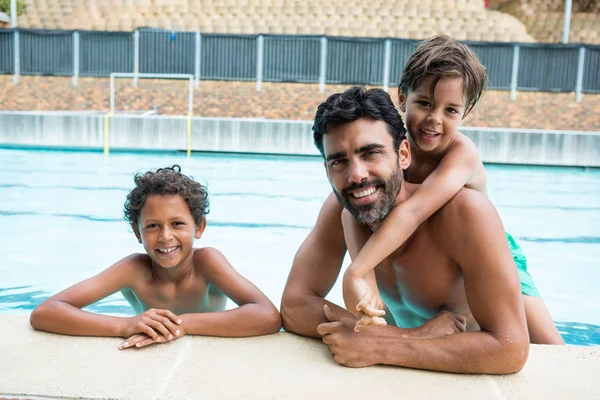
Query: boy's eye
{"points": [[150, 226], [452, 111], [423, 103], [178, 223]]}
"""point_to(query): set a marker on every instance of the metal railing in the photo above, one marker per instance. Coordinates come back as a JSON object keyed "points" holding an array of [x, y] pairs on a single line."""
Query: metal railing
{"points": [[284, 58]]}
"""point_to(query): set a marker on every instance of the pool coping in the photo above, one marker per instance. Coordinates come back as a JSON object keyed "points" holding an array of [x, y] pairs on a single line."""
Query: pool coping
{"points": [[281, 366]]}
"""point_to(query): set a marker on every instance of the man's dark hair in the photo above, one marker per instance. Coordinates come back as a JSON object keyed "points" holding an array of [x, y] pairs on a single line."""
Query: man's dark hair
{"points": [[441, 56], [166, 181], [355, 103]]}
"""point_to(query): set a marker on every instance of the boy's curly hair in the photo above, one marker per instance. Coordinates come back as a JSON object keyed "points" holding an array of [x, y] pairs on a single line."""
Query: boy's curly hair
{"points": [[168, 181]]}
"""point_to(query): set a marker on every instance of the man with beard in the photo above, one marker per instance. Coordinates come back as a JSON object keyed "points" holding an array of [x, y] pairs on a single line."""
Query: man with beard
{"points": [[455, 273]]}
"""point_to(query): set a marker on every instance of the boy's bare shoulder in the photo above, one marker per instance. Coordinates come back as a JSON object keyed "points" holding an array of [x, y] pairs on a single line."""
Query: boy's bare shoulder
{"points": [[137, 263], [208, 258], [464, 145]]}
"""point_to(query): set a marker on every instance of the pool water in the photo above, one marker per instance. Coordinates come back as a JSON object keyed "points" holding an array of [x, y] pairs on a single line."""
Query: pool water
{"points": [[62, 220]]}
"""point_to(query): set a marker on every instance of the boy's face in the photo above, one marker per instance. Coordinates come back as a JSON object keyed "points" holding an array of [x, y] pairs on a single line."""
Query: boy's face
{"points": [[167, 230], [433, 123], [363, 168]]}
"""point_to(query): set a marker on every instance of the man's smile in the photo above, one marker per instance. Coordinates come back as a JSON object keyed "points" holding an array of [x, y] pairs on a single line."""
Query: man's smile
{"points": [[363, 196]]}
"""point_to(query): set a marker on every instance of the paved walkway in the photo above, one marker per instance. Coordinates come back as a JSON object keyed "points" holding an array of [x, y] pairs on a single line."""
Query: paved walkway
{"points": [[281, 366]]}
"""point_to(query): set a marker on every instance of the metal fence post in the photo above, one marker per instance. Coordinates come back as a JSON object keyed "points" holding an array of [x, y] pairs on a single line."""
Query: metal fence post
{"points": [[260, 47], [17, 53], [386, 64], [567, 21], [323, 70], [197, 61], [136, 57], [75, 57], [580, 71], [515, 72]]}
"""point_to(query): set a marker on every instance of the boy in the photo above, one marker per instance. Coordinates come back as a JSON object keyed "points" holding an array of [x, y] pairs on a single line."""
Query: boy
{"points": [[440, 85], [174, 288]]}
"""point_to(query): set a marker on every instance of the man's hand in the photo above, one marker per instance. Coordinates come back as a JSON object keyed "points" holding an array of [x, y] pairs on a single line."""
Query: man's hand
{"points": [[153, 323], [142, 339], [363, 300], [349, 348], [443, 324]]}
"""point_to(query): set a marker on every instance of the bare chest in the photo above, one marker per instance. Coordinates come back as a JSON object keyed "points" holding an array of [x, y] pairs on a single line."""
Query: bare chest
{"points": [[186, 297], [419, 280]]}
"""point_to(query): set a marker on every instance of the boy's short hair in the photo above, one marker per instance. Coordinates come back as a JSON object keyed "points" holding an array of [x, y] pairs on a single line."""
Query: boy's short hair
{"points": [[441, 56], [358, 102], [166, 181]]}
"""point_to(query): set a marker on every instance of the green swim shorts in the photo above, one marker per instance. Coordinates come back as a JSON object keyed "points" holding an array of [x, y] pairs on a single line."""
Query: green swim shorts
{"points": [[527, 286]]}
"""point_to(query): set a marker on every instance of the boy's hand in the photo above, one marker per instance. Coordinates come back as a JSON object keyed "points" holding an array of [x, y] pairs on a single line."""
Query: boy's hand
{"points": [[442, 324], [153, 323], [142, 340], [369, 307]]}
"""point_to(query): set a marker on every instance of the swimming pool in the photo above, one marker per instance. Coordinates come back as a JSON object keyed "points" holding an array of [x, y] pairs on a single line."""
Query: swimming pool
{"points": [[61, 214]]}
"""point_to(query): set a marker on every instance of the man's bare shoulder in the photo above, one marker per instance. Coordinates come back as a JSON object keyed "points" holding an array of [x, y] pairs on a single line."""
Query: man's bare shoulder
{"points": [[468, 206]]}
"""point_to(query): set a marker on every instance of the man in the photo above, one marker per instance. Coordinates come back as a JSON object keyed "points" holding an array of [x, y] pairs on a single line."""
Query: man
{"points": [[455, 272]]}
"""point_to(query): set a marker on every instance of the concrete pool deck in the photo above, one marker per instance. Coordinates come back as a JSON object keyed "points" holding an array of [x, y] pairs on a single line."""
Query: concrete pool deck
{"points": [[282, 366]]}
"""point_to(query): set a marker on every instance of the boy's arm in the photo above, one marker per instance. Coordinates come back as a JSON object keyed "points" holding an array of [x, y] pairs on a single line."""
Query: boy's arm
{"points": [[256, 315], [62, 312], [453, 172], [360, 290]]}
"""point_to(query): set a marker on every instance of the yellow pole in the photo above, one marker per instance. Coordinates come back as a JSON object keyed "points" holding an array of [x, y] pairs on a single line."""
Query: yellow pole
{"points": [[189, 135], [106, 147]]}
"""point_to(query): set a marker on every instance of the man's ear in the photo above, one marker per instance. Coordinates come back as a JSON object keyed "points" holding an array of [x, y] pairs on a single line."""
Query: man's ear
{"points": [[136, 230], [200, 229], [404, 155], [401, 100]]}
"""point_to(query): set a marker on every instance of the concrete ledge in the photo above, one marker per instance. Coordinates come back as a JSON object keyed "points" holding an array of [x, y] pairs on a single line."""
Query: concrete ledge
{"points": [[76, 130], [281, 366]]}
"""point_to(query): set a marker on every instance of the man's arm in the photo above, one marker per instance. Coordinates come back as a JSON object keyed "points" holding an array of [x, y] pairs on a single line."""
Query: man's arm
{"points": [[472, 233], [315, 269]]}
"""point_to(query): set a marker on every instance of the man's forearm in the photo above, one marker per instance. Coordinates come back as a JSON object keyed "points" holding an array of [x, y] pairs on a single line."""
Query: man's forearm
{"points": [[302, 314], [470, 352]]}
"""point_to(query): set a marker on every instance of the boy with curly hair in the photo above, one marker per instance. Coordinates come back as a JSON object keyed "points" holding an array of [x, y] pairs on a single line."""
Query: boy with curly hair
{"points": [[174, 288]]}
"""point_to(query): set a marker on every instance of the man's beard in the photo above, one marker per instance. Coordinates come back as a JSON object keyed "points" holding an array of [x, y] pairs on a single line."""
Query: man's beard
{"points": [[374, 212]]}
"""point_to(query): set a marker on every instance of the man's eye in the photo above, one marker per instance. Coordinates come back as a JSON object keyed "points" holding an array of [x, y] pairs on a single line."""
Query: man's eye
{"points": [[337, 162], [372, 152]]}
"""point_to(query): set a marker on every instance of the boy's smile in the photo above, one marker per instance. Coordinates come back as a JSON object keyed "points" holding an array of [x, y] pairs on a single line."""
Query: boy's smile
{"points": [[167, 230], [432, 123]]}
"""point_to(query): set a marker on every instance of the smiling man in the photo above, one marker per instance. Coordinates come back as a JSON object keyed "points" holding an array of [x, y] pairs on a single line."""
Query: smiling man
{"points": [[452, 286]]}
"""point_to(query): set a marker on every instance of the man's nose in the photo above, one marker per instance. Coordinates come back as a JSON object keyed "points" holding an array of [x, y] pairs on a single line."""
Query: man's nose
{"points": [[357, 172]]}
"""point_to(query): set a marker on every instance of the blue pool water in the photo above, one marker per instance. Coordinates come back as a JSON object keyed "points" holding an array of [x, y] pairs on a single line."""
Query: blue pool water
{"points": [[61, 218]]}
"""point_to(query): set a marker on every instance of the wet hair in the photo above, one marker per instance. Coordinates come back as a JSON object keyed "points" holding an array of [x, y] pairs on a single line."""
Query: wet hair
{"points": [[441, 56], [166, 181], [355, 103]]}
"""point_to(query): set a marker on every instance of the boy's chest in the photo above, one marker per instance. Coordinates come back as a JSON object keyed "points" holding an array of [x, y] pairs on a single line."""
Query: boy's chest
{"points": [[189, 297]]}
